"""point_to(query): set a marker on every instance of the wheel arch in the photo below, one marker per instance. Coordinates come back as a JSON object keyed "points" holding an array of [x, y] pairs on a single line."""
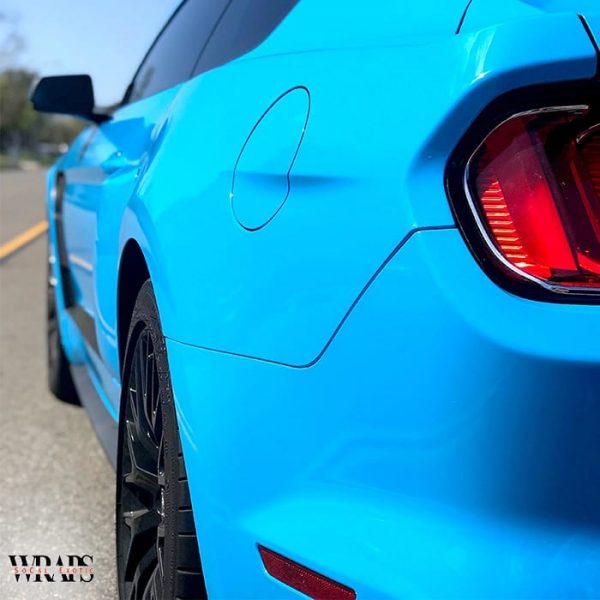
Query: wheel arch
{"points": [[133, 272]]}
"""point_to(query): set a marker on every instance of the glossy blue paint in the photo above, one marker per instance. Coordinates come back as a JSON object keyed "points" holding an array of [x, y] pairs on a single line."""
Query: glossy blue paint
{"points": [[484, 13], [352, 390], [444, 446], [101, 174], [71, 337], [366, 198], [261, 178]]}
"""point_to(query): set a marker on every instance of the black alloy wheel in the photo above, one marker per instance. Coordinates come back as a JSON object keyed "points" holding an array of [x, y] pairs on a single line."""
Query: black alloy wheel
{"points": [[157, 550]]}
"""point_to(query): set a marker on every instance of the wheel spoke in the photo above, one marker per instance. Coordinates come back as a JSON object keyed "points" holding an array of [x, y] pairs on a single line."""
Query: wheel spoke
{"points": [[154, 399], [133, 406], [142, 574], [138, 475], [142, 520], [150, 397], [138, 401], [160, 544], [146, 399], [154, 587]]}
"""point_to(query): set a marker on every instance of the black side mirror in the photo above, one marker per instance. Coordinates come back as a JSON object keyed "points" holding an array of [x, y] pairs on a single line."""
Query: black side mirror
{"points": [[67, 95]]}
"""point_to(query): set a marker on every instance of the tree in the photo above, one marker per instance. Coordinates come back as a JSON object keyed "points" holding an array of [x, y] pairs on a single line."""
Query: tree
{"points": [[12, 43], [21, 128], [18, 121]]}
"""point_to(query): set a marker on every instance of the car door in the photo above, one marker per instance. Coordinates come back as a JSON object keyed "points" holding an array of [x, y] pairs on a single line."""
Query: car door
{"points": [[104, 177]]}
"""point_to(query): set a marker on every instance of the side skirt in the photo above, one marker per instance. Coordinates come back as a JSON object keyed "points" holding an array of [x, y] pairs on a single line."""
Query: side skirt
{"points": [[107, 429]]}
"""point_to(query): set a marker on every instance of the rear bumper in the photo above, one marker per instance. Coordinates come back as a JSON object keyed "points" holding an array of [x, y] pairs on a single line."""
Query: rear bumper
{"points": [[446, 445]]}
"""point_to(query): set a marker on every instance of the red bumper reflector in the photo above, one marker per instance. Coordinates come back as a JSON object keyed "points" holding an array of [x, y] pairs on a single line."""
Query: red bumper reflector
{"points": [[302, 579]]}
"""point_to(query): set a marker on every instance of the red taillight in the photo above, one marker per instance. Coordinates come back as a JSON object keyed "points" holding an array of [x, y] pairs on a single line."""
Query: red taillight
{"points": [[303, 579], [534, 185]]}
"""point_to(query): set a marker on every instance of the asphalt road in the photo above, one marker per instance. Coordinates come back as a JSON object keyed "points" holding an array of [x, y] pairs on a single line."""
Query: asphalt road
{"points": [[57, 494]]}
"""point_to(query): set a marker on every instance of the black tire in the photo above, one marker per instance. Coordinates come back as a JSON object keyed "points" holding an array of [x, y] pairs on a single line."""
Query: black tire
{"points": [[157, 549], [60, 381]]}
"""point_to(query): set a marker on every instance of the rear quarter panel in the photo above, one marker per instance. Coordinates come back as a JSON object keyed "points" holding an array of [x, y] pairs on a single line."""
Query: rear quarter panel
{"points": [[382, 123]]}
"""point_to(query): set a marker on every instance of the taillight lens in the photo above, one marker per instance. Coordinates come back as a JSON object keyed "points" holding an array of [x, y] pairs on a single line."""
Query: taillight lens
{"points": [[534, 189]]}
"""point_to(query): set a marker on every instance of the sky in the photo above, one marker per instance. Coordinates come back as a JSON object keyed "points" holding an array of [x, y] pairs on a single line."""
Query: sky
{"points": [[106, 39]]}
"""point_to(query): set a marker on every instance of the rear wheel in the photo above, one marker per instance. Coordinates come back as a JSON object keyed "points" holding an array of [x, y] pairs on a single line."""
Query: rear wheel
{"points": [[60, 381], [157, 550]]}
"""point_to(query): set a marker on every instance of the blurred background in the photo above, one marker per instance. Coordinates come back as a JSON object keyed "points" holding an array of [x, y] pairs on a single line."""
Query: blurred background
{"points": [[106, 39], [58, 488]]}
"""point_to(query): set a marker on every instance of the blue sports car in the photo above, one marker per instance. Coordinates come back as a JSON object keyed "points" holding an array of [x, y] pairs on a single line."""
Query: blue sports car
{"points": [[327, 282]]}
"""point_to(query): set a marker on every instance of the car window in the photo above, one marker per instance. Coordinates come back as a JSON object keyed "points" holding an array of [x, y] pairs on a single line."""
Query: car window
{"points": [[245, 24], [172, 57]]}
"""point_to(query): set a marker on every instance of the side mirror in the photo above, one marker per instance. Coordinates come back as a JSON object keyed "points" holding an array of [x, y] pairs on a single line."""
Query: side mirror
{"points": [[67, 95]]}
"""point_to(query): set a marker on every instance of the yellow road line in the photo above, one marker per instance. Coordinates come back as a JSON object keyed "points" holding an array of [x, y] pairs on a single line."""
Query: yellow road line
{"points": [[23, 239]]}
